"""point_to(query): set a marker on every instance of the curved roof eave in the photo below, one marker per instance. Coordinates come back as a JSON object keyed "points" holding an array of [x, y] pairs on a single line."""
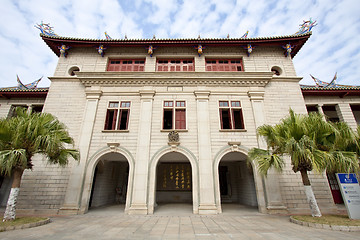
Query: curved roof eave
{"points": [[296, 40]]}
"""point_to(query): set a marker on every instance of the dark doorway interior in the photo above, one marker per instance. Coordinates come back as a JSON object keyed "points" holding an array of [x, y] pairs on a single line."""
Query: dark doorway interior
{"points": [[109, 183]]}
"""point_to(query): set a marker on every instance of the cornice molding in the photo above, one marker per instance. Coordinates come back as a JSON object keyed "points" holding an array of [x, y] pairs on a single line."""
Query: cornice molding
{"points": [[175, 78]]}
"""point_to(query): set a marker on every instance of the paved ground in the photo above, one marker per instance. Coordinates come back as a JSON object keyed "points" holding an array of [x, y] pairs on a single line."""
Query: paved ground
{"points": [[174, 222]]}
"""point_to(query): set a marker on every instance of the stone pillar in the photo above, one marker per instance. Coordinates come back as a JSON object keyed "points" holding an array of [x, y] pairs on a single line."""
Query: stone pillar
{"points": [[321, 111], [75, 185], [345, 114], [139, 197], [207, 188], [270, 196]]}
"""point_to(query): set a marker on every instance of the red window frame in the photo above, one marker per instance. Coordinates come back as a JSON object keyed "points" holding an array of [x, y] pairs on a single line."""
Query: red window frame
{"points": [[174, 115], [224, 65], [117, 115], [231, 115], [126, 65], [175, 65]]}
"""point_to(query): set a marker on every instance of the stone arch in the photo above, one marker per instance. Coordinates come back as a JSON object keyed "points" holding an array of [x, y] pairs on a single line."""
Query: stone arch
{"points": [[257, 177], [152, 175], [90, 169]]}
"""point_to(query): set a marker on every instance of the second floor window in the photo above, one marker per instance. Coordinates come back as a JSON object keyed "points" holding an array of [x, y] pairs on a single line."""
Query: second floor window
{"points": [[231, 116], [117, 116], [225, 65], [126, 65], [174, 115], [175, 65]]}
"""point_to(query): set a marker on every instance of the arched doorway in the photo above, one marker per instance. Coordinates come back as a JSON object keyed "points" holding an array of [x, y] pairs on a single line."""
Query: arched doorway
{"points": [[174, 181], [236, 182], [110, 181]]}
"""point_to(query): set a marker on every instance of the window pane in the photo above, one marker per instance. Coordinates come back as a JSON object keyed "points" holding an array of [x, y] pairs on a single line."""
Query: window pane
{"points": [[125, 104], [180, 121], [110, 119], [123, 120], [225, 119], [168, 104], [235, 104], [238, 119], [113, 104], [180, 103], [168, 119], [224, 104]]}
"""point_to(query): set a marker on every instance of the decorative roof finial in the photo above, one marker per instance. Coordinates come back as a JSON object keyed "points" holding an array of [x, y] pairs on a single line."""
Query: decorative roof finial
{"points": [[154, 37], [245, 34], [249, 49], [151, 50], [46, 29], [288, 49], [32, 85], [125, 37], [199, 36], [200, 49], [306, 27], [63, 50], [107, 36], [228, 36], [101, 50], [322, 84]]}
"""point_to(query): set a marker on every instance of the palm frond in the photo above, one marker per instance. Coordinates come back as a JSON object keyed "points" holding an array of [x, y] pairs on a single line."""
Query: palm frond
{"points": [[265, 160]]}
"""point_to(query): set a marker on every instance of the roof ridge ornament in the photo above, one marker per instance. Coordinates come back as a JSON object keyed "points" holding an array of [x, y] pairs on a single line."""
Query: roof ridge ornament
{"points": [[245, 34], [322, 84], [46, 29], [107, 36], [306, 27], [22, 86]]}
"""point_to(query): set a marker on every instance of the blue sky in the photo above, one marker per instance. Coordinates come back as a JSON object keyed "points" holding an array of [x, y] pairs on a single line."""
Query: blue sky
{"points": [[333, 47]]}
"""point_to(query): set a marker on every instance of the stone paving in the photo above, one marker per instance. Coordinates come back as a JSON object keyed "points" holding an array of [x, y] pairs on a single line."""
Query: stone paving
{"points": [[174, 222]]}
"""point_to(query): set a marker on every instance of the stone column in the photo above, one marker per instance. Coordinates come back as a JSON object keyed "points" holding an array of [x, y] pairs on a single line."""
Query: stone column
{"points": [[75, 185], [321, 111], [207, 188], [270, 194], [343, 110], [139, 197]]}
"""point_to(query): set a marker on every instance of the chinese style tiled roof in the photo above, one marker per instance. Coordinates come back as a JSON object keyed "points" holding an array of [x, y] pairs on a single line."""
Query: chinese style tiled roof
{"points": [[337, 90], [296, 41], [15, 92]]}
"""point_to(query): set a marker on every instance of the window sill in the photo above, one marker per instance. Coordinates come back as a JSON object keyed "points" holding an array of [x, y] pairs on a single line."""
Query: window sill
{"points": [[170, 130], [114, 131], [232, 130]]}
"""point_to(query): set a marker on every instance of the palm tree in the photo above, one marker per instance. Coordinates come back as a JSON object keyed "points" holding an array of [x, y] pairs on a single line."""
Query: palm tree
{"points": [[23, 136], [311, 143]]}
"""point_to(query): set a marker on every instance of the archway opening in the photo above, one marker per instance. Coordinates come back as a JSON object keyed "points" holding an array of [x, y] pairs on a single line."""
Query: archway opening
{"points": [[174, 183], [236, 182], [110, 181]]}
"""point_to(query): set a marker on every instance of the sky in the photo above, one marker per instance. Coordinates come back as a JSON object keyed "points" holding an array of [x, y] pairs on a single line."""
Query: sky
{"points": [[333, 47]]}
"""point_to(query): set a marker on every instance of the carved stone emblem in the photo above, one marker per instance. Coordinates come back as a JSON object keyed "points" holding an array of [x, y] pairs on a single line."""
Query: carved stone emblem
{"points": [[173, 137]]}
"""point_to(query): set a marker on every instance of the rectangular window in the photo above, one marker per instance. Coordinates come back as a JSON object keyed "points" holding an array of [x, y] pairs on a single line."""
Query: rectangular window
{"points": [[174, 116], [175, 65], [126, 65], [231, 116], [117, 116], [224, 65]]}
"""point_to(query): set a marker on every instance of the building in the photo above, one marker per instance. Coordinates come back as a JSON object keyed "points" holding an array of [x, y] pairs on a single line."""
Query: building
{"points": [[171, 120]]}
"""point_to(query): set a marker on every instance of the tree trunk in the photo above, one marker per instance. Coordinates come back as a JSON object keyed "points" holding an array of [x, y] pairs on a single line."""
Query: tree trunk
{"points": [[10, 212], [315, 211]]}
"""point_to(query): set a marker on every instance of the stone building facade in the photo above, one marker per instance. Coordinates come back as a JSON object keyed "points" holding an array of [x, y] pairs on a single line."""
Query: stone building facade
{"points": [[121, 107]]}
